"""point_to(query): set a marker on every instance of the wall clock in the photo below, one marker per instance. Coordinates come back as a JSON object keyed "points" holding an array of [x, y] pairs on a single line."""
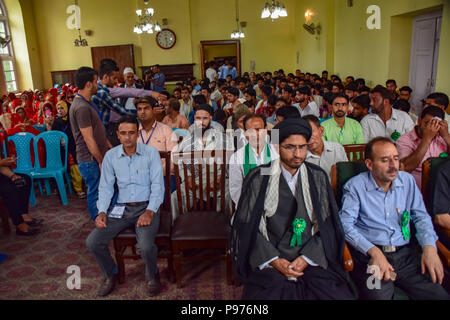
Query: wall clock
{"points": [[166, 39]]}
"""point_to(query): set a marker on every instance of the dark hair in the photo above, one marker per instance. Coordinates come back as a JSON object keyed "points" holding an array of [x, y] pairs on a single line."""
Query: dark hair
{"points": [[324, 71], [199, 99], [288, 112], [165, 93], [328, 97], [108, 61], [252, 116], [208, 89], [439, 98], [267, 90], [250, 92], [313, 119], [362, 100], [352, 86], [385, 93], [204, 107], [369, 147], [185, 88], [176, 89], [433, 111], [391, 81], [360, 81], [339, 85], [303, 90], [149, 99], [174, 104], [107, 69], [249, 104], [406, 88], [351, 77], [128, 119], [233, 91], [83, 76], [364, 89], [288, 89], [272, 100], [339, 95], [401, 104], [282, 100]]}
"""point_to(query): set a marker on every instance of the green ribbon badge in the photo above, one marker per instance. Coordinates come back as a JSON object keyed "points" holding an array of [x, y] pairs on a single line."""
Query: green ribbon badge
{"points": [[298, 226], [395, 135], [443, 155], [405, 224]]}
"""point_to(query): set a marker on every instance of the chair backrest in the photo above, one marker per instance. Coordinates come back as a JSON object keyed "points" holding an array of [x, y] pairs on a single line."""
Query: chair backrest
{"points": [[181, 133], [23, 142], [52, 141], [341, 172], [355, 152], [204, 175], [430, 169], [166, 155], [40, 127]]}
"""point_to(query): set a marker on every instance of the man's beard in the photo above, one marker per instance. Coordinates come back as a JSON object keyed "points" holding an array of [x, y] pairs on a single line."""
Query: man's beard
{"points": [[206, 128], [339, 114]]}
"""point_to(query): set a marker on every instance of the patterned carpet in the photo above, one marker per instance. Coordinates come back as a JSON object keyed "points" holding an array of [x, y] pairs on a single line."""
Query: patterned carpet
{"points": [[36, 266]]}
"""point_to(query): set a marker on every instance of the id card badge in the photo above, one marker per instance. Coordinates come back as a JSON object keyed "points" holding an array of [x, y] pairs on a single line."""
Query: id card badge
{"points": [[117, 212]]}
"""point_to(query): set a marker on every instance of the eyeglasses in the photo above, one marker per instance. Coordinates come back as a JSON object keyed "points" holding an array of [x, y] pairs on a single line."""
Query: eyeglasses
{"points": [[293, 148]]}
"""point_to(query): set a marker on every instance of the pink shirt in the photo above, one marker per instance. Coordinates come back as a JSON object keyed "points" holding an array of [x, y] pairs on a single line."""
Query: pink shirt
{"points": [[409, 142]]}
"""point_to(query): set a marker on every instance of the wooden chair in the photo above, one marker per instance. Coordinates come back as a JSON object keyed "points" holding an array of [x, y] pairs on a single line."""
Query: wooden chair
{"points": [[338, 179], [127, 238], [200, 224], [430, 169], [355, 152]]}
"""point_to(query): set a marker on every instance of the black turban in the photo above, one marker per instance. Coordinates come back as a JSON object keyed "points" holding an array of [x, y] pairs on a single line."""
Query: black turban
{"points": [[289, 127], [205, 107]]}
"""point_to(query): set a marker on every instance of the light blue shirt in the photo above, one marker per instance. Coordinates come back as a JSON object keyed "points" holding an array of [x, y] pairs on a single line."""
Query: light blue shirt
{"points": [[226, 71], [139, 177], [371, 216]]}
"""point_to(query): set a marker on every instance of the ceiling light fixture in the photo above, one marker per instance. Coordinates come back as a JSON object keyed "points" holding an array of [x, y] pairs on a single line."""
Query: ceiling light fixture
{"points": [[145, 23], [238, 33], [274, 10]]}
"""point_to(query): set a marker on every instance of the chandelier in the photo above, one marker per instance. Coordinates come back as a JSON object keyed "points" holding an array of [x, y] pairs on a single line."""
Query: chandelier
{"points": [[274, 10], [145, 23], [80, 42], [238, 33]]}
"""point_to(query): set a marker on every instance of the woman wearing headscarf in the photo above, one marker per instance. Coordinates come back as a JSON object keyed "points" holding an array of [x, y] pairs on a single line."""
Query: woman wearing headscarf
{"points": [[5, 115], [62, 123]]}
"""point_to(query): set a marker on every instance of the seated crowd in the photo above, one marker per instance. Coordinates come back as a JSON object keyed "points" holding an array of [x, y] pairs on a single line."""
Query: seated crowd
{"points": [[284, 133]]}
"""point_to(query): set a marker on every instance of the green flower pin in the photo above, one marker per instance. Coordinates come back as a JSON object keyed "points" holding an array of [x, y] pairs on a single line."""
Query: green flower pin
{"points": [[298, 226], [395, 135]]}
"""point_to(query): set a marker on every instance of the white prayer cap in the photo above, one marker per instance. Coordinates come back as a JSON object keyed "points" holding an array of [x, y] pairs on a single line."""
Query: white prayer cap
{"points": [[128, 70]]}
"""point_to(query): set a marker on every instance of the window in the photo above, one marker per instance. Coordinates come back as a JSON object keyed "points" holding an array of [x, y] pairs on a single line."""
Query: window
{"points": [[6, 52]]}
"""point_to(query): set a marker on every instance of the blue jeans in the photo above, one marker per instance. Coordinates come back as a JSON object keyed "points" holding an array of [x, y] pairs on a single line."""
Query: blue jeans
{"points": [[91, 175]]}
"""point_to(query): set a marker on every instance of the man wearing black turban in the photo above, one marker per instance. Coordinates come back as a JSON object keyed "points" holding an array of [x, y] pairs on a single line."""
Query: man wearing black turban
{"points": [[287, 241]]}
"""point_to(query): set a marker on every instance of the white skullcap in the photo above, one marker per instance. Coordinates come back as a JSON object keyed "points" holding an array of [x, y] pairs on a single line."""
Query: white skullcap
{"points": [[128, 70]]}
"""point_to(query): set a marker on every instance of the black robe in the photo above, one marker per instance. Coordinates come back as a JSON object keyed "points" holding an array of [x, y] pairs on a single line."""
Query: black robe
{"points": [[326, 281]]}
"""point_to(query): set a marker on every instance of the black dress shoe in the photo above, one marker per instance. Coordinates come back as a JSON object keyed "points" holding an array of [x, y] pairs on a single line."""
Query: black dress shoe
{"points": [[154, 286], [30, 232], [34, 222], [108, 286]]}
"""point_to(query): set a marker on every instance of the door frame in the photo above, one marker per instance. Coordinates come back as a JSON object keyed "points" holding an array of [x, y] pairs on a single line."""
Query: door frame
{"points": [[428, 16], [220, 42]]}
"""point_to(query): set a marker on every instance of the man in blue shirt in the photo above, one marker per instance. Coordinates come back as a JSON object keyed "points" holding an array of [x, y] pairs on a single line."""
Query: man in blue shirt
{"points": [[159, 79], [226, 70], [138, 172], [376, 209]]}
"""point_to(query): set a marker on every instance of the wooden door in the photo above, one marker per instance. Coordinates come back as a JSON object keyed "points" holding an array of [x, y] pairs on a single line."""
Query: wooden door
{"points": [[122, 54], [424, 55]]}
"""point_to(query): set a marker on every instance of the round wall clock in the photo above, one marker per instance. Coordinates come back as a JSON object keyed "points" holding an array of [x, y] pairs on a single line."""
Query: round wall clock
{"points": [[166, 39]]}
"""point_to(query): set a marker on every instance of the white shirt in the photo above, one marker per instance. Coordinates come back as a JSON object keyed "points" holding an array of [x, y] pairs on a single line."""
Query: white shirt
{"points": [[211, 74], [373, 126], [236, 171], [333, 152], [311, 108]]}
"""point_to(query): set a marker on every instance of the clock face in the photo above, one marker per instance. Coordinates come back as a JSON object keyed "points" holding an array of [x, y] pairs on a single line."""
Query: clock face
{"points": [[166, 39]]}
